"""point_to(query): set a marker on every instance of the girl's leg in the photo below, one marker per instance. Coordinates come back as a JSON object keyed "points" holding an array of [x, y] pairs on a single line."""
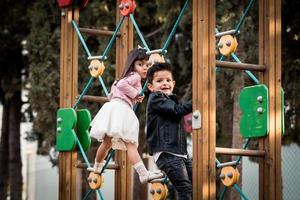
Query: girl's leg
{"points": [[135, 159], [133, 154], [101, 154], [103, 149]]}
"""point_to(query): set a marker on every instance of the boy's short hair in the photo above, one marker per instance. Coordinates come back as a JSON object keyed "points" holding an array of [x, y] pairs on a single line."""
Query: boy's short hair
{"points": [[158, 67]]}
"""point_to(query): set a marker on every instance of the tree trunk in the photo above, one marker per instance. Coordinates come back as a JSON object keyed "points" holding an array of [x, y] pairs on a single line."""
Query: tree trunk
{"points": [[4, 149], [15, 163]]}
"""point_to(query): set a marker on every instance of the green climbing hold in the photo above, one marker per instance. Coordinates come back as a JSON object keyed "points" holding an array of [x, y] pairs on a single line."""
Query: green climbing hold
{"points": [[83, 123], [254, 104], [65, 134]]}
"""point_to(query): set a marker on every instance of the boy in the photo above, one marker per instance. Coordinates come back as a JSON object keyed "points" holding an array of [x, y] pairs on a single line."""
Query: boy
{"points": [[166, 140]]}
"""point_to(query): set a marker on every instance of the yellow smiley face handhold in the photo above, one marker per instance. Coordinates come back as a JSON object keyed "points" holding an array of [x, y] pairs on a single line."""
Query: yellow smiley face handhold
{"points": [[159, 191], [227, 45], [96, 68], [95, 181], [229, 176]]}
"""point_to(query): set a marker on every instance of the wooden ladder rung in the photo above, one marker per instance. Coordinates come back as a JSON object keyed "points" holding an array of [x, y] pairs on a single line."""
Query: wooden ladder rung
{"points": [[240, 152], [98, 32], [241, 66], [95, 99], [109, 166]]}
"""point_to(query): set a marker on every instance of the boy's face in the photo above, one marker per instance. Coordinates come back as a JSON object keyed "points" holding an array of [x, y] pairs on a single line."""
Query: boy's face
{"points": [[162, 82]]}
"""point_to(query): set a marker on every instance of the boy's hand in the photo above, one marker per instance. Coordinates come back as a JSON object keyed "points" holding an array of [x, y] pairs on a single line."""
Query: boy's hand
{"points": [[140, 98]]}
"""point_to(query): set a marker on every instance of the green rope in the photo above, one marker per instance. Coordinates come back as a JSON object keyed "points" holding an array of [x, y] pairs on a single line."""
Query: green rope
{"points": [[103, 86], [240, 191], [247, 71], [113, 38], [174, 27], [87, 194], [223, 193], [83, 92], [242, 19], [139, 32], [87, 51], [110, 155], [135, 107]]}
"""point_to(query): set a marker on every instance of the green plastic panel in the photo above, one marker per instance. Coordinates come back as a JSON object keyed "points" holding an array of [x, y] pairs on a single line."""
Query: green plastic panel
{"points": [[65, 134], [254, 104], [83, 124]]}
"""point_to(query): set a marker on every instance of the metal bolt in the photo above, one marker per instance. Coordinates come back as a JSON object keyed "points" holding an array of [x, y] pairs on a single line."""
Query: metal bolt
{"points": [[96, 67], [121, 6], [220, 45], [228, 43], [59, 120], [95, 180], [196, 115], [63, 14], [158, 191], [229, 174], [222, 176], [127, 5], [89, 180], [259, 99], [152, 191], [58, 129], [259, 110]]}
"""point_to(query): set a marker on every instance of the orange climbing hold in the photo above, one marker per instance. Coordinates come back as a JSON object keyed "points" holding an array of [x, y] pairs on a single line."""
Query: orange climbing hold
{"points": [[127, 7]]}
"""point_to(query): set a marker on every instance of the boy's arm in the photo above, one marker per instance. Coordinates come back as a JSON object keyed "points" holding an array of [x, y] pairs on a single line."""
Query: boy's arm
{"points": [[168, 107]]}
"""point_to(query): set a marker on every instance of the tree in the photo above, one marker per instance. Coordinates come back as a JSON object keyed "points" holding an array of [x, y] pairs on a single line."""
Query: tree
{"points": [[13, 67]]}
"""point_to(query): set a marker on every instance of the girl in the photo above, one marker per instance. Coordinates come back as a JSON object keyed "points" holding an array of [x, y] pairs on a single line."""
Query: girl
{"points": [[116, 124]]}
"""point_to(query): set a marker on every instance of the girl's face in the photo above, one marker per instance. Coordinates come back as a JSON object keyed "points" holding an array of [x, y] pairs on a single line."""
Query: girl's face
{"points": [[141, 67]]}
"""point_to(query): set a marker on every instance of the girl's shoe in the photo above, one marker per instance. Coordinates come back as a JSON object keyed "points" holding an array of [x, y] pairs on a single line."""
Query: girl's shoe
{"points": [[151, 176], [97, 167]]}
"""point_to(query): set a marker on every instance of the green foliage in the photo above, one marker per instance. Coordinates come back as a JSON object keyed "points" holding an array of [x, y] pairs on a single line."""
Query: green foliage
{"points": [[291, 69], [44, 44]]}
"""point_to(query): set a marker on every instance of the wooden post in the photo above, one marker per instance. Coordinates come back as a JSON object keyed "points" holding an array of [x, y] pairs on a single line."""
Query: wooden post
{"points": [[270, 55], [204, 139], [124, 43], [68, 92]]}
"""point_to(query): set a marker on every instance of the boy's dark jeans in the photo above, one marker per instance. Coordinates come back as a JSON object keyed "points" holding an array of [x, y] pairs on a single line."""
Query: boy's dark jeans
{"points": [[179, 171]]}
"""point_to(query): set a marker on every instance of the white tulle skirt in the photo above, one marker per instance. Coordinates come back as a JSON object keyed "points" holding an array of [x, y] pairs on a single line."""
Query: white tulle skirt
{"points": [[116, 119]]}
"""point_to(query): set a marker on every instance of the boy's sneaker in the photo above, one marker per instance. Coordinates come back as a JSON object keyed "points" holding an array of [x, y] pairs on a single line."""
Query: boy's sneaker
{"points": [[151, 176]]}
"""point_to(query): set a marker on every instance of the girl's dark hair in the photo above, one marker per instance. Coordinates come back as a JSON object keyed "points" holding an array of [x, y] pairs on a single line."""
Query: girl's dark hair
{"points": [[133, 55], [158, 67]]}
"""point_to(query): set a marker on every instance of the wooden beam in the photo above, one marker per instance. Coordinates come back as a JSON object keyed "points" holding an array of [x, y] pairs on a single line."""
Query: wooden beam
{"points": [[270, 55], [240, 152], [109, 166], [124, 43], [68, 89], [204, 139], [98, 32], [241, 66], [95, 99]]}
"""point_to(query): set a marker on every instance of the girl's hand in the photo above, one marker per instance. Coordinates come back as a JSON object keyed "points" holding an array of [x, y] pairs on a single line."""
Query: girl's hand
{"points": [[140, 98]]}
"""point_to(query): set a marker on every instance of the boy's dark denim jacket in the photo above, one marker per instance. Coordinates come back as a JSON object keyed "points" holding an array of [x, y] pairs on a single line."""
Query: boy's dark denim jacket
{"points": [[164, 115]]}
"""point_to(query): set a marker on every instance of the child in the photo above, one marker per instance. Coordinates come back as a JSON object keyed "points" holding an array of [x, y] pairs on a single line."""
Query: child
{"points": [[116, 124], [166, 140]]}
